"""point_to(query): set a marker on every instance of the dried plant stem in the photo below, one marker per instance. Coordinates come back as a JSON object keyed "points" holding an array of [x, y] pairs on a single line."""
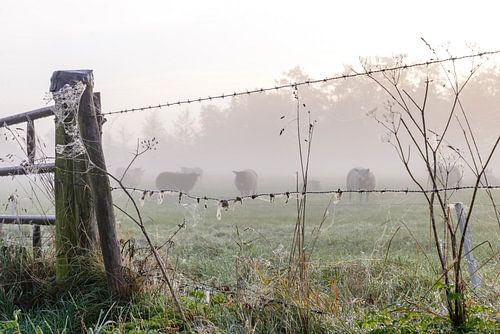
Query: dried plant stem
{"points": [[139, 222]]}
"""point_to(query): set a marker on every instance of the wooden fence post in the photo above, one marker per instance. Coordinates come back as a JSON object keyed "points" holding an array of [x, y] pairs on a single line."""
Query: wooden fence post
{"points": [[471, 265], [97, 106], [87, 229], [87, 221], [66, 233], [99, 182], [31, 153]]}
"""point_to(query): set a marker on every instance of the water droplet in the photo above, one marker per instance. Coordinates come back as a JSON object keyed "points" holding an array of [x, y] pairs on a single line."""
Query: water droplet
{"points": [[336, 198], [142, 198], [159, 198], [219, 213]]}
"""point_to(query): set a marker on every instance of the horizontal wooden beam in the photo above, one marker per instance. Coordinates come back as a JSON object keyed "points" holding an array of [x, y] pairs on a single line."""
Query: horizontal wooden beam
{"points": [[30, 169], [28, 220], [26, 116]]}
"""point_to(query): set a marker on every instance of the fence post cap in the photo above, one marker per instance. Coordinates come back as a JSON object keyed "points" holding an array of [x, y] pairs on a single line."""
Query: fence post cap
{"points": [[61, 78]]}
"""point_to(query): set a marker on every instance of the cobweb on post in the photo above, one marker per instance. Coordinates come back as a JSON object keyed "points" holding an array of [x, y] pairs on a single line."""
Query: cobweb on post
{"points": [[67, 102]]}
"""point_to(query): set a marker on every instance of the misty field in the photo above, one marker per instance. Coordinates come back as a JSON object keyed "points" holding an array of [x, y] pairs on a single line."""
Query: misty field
{"points": [[369, 255], [372, 261], [354, 230]]}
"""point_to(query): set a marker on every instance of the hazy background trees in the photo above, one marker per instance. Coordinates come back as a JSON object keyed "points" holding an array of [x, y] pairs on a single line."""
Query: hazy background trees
{"points": [[245, 132]]}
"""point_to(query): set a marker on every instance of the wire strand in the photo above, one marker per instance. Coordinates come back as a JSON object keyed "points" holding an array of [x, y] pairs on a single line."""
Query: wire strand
{"points": [[272, 196], [301, 83]]}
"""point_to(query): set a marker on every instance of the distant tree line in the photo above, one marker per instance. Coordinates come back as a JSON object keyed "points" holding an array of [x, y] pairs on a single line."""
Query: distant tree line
{"points": [[246, 133]]}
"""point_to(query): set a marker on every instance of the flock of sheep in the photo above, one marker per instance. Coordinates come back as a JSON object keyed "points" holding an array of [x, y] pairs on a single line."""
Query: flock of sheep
{"points": [[185, 180], [245, 181]]}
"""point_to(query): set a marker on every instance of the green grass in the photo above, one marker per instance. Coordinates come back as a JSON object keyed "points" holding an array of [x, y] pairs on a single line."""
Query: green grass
{"points": [[352, 231], [359, 284]]}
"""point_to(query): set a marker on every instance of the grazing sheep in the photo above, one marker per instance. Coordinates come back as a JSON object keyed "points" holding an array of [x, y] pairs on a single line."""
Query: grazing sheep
{"points": [[184, 182], [360, 178], [189, 170], [246, 181]]}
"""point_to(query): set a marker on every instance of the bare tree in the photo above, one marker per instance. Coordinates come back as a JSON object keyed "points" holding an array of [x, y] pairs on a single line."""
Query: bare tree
{"points": [[415, 139]]}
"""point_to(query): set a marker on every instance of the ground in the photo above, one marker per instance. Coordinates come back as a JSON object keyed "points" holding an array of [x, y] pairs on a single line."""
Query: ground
{"points": [[373, 266]]}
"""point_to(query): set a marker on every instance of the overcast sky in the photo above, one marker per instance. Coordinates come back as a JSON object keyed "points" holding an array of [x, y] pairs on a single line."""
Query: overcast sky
{"points": [[150, 52], [147, 52]]}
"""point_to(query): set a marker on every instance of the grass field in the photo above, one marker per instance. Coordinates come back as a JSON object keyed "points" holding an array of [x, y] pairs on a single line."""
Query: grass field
{"points": [[378, 252], [353, 229], [371, 259]]}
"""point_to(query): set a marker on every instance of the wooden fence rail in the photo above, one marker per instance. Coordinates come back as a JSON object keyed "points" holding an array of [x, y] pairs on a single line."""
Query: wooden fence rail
{"points": [[29, 118], [28, 220], [29, 169]]}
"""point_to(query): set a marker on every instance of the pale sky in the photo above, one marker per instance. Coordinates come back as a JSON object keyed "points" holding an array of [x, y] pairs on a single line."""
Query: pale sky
{"points": [[149, 52]]}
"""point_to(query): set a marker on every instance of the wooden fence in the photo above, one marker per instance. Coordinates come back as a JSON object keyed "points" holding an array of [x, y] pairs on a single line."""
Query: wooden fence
{"points": [[82, 193], [30, 168]]}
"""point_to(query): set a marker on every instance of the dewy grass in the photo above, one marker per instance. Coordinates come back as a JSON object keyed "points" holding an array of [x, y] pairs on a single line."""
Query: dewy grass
{"points": [[355, 287], [29, 291]]}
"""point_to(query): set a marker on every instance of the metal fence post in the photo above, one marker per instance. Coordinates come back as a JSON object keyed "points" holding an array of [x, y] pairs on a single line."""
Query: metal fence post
{"points": [[471, 265]]}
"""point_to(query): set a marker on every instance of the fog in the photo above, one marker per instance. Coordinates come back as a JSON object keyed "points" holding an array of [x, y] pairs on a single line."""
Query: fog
{"points": [[148, 54], [245, 133], [260, 131]]}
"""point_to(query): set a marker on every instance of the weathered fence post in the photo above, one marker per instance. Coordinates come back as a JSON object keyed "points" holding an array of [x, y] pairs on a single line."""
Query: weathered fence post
{"points": [[471, 265], [87, 229], [66, 232], [96, 171], [31, 153], [87, 222], [87, 218], [97, 107]]}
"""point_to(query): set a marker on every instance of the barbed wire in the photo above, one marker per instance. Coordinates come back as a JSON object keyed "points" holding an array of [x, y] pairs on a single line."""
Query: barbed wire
{"points": [[224, 202], [431, 61]]}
